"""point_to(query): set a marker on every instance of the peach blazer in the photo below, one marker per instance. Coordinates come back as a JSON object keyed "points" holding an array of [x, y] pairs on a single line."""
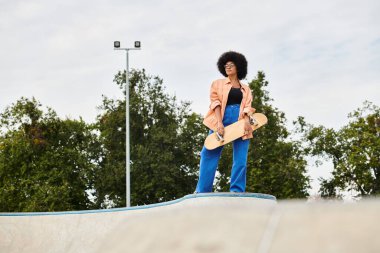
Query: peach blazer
{"points": [[219, 95]]}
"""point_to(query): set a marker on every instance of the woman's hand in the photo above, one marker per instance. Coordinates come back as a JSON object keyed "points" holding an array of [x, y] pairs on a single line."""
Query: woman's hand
{"points": [[220, 129], [247, 127]]}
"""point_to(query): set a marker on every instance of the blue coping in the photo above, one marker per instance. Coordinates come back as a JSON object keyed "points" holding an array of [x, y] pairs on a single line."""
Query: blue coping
{"points": [[121, 209]]}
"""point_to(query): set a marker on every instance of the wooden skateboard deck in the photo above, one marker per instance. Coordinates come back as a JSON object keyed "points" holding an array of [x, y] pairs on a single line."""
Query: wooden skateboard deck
{"points": [[234, 131]]}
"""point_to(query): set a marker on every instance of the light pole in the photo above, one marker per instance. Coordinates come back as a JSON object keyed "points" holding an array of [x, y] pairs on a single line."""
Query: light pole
{"points": [[116, 45]]}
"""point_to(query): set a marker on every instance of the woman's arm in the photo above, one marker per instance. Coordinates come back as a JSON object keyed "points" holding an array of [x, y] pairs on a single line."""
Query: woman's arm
{"points": [[218, 114], [216, 105], [214, 98], [248, 109]]}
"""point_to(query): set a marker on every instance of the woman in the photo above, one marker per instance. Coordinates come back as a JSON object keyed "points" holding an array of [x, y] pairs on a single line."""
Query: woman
{"points": [[230, 101]]}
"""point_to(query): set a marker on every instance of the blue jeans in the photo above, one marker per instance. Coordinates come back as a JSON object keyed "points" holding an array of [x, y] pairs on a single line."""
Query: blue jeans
{"points": [[210, 158]]}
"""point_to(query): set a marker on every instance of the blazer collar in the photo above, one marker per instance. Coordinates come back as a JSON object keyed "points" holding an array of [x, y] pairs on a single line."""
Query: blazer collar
{"points": [[227, 81]]}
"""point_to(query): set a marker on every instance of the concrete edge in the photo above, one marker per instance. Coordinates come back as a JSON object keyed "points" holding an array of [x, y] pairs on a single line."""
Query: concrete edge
{"points": [[123, 209]]}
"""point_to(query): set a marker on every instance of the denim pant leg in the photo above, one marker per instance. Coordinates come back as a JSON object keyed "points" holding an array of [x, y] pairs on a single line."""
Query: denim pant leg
{"points": [[210, 158], [239, 165], [208, 165]]}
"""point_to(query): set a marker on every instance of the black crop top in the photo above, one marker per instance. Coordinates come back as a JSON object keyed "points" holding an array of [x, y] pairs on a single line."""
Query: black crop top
{"points": [[235, 96]]}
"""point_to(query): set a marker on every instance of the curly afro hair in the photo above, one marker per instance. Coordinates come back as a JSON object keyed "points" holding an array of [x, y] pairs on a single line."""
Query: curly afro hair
{"points": [[238, 59]]}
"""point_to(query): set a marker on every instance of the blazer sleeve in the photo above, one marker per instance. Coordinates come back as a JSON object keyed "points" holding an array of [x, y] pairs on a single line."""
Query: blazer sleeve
{"points": [[248, 109], [214, 98]]}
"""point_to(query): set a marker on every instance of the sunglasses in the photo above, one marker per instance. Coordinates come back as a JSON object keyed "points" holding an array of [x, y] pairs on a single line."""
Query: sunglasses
{"points": [[231, 65]]}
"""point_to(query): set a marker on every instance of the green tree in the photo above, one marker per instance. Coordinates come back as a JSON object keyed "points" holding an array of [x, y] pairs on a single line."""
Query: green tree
{"points": [[165, 140], [354, 150], [46, 164], [276, 165]]}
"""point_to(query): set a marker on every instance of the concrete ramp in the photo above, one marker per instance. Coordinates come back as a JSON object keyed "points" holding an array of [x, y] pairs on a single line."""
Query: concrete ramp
{"points": [[215, 222]]}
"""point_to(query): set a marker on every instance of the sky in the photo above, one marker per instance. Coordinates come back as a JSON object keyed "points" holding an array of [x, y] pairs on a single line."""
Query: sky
{"points": [[321, 58]]}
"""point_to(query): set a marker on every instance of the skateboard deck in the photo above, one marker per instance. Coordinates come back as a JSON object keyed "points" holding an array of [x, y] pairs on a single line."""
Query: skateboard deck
{"points": [[234, 131]]}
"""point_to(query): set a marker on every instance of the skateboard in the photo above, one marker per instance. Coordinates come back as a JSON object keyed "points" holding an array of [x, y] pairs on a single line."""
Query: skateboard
{"points": [[234, 131]]}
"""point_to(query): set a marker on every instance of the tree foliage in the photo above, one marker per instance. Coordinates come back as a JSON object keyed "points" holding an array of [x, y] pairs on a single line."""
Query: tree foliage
{"points": [[165, 139], [46, 164], [354, 150], [50, 164]]}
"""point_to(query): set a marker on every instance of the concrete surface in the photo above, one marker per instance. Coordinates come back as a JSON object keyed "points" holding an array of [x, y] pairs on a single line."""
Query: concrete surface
{"points": [[216, 222]]}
